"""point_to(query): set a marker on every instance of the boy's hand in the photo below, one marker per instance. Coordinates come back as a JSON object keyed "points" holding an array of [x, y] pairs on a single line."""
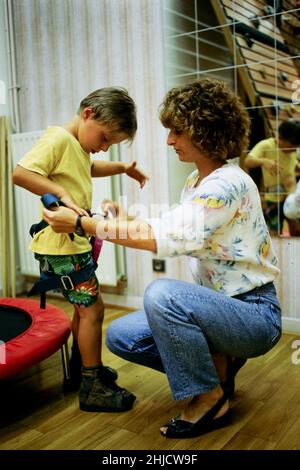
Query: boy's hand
{"points": [[271, 166], [66, 199], [132, 171]]}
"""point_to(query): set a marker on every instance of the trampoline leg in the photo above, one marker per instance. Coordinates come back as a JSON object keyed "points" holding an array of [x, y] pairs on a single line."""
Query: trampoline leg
{"points": [[65, 361]]}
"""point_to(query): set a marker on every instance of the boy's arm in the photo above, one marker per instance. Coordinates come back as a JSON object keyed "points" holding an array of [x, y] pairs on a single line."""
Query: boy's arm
{"points": [[103, 168], [258, 157], [38, 184], [253, 162], [272, 166]]}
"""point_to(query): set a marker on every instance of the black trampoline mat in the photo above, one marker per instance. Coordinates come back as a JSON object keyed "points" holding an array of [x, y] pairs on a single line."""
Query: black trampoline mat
{"points": [[13, 322]]}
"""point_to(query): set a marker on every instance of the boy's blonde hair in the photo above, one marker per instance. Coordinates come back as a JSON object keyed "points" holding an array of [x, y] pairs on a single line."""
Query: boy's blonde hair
{"points": [[211, 114], [114, 107]]}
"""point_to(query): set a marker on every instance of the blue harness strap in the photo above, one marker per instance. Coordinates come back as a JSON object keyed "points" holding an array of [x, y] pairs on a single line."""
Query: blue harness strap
{"points": [[65, 282]]}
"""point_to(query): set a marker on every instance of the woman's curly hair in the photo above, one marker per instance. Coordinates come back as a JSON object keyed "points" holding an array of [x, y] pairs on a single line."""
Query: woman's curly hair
{"points": [[211, 114]]}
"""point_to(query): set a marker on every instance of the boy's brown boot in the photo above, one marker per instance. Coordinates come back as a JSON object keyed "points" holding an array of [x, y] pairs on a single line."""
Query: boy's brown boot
{"points": [[73, 383], [98, 393]]}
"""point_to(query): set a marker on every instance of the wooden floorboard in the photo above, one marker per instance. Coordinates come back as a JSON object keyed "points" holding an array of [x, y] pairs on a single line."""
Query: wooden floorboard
{"points": [[36, 415]]}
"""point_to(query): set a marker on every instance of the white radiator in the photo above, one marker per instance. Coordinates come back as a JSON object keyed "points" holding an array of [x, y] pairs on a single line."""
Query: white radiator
{"points": [[28, 210]]}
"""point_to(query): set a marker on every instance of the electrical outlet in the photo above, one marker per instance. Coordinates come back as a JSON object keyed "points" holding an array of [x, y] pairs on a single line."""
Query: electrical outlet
{"points": [[159, 265]]}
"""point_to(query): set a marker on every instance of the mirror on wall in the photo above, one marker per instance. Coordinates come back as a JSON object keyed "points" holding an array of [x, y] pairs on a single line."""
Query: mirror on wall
{"points": [[254, 51], [274, 165]]}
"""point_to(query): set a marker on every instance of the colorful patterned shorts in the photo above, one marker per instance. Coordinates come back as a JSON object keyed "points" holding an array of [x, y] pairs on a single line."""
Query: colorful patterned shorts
{"points": [[85, 293]]}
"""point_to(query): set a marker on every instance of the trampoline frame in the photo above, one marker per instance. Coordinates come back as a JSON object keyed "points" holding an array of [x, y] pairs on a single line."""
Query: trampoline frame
{"points": [[48, 332]]}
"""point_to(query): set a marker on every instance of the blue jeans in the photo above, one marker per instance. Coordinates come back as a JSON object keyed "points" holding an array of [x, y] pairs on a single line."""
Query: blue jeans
{"points": [[182, 324]]}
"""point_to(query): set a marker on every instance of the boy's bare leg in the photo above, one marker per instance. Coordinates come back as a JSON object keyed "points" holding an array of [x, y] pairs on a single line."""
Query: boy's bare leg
{"points": [[98, 390], [76, 363], [75, 323], [90, 333]]}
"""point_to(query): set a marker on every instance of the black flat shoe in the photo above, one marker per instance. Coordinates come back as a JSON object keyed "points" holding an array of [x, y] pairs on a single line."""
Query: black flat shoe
{"points": [[179, 429], [233, 366]]}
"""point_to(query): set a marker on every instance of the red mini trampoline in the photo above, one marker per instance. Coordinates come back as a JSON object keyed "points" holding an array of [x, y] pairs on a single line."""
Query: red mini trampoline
{"points": [[29, 334]]}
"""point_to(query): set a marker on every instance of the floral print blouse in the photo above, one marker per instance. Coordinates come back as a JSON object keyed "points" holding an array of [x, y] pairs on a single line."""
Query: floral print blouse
{"points": [[220, 226]]}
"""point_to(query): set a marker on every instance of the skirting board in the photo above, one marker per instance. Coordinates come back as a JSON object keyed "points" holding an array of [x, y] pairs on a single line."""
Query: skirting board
{"points": [[127, 301], [291, 325], [19, 286]]}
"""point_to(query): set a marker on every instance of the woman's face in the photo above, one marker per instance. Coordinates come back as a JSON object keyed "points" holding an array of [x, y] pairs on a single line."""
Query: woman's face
{"points": [[183, 146]]}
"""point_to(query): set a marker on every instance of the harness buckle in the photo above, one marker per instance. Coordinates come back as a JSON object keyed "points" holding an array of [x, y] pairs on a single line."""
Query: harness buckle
{"points": [[67, 282]]}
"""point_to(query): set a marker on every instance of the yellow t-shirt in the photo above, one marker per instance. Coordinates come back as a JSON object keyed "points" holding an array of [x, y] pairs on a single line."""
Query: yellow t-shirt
{"points": [[274, 184], [59, 157]]}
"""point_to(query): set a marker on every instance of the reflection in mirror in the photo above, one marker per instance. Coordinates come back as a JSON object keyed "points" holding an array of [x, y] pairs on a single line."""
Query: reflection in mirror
{"points": [[194, 46], [276, 157]]}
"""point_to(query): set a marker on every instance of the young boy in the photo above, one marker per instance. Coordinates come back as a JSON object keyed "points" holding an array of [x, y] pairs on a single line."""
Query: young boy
{"points": [[278, 160], [60, 163]]}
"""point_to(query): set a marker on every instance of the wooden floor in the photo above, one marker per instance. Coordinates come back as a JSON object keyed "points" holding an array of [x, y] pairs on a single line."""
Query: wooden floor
{"points": [[35, 414]]}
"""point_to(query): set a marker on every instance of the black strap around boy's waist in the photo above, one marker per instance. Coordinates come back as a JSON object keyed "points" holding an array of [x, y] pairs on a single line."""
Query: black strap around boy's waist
{"points": [[35, 228], [49, 201], [65, 282]]}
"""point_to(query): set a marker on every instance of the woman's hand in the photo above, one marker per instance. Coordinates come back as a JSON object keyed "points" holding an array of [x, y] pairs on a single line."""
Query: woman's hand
{"points": [[132, 171], [61, 219], [114, 209]]}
